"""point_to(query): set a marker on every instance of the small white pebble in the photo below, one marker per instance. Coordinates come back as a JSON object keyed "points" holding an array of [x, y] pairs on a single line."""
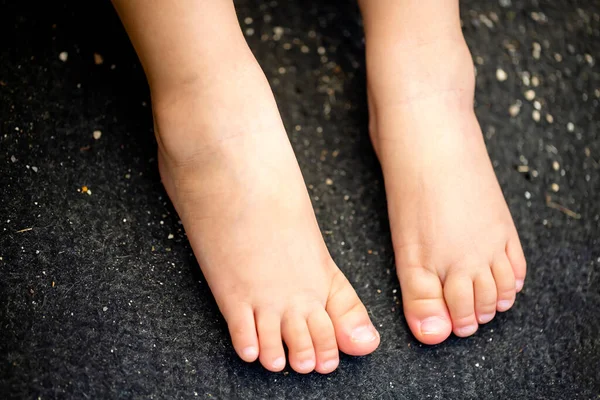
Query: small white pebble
{"points": [[527, 195], [321, 50], [535, 81], [124, 219], [328, 181], [555, 165], [570, 127], [170, 236], [558, 57], [537, 49], [278, 30], [535, 115], [35, 169], [248, 20], [537, 105], [249, 32], [63, 56], [549, 118], [514, 109], [104, 308], [13, 159], [501, 75], [486, 21], [529, 95], [555, 187], [304, 49], [589, 59], [281, 70], [97, 134], [477, 364]]}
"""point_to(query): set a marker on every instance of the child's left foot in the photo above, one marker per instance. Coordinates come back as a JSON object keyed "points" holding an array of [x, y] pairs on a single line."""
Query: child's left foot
{"points": [[458, 255]]}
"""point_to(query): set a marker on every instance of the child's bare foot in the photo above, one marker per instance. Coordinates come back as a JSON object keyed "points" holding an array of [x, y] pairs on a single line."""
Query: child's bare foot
{"points": [[230, 171], [458, 255]]}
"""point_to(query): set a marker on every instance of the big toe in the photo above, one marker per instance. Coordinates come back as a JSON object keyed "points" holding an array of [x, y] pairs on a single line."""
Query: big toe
{"points": [[243, 332], [424, 306], [354, 331]]}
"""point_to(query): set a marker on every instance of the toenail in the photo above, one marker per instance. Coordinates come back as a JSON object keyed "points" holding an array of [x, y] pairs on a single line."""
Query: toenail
{"points": [[250, 352], [433, 326], [485, 318], [329, 365], [364, 334], [504, 304], [279, 363], [519, 284], [306, 365], [466, 330]]}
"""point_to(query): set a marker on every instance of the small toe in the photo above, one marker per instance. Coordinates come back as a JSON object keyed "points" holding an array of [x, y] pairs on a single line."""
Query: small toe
{"points": [[485, 296], [323, 339], [424, 305], [354, 332], [458, 292], [301, 354], [505, 283], [514, 252], [271, 353], [243, 333]]}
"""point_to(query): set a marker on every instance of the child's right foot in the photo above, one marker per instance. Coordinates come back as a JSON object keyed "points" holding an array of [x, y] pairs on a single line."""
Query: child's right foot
{"points": [[230, 171]]}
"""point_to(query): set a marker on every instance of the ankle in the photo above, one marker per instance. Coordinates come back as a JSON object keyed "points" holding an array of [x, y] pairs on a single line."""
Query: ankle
{"points": [[194, 117], [403, 71], [211, 75]]}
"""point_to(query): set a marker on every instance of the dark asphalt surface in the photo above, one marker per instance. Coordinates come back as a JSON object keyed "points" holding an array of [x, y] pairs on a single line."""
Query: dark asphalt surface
{"points": [[97, 302]]}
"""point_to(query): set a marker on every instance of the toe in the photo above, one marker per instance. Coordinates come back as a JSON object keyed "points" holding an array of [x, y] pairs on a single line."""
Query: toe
{"points": [[485, 296], [424, 306], [323, 339], [354, 332], [301, 353], [271, 353], [243, 333], [458, 292], [514, 252], [505, 282]]}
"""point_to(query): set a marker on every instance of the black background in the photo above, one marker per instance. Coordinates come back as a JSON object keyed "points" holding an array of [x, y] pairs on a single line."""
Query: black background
{"points": [[130, 315]]}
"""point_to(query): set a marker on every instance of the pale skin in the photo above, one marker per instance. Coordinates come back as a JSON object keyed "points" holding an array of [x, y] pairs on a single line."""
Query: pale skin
{"points": [[229, 169]]}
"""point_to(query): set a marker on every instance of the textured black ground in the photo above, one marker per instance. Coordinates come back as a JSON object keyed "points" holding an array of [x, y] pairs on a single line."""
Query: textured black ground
{"points": [[97, 302]]}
